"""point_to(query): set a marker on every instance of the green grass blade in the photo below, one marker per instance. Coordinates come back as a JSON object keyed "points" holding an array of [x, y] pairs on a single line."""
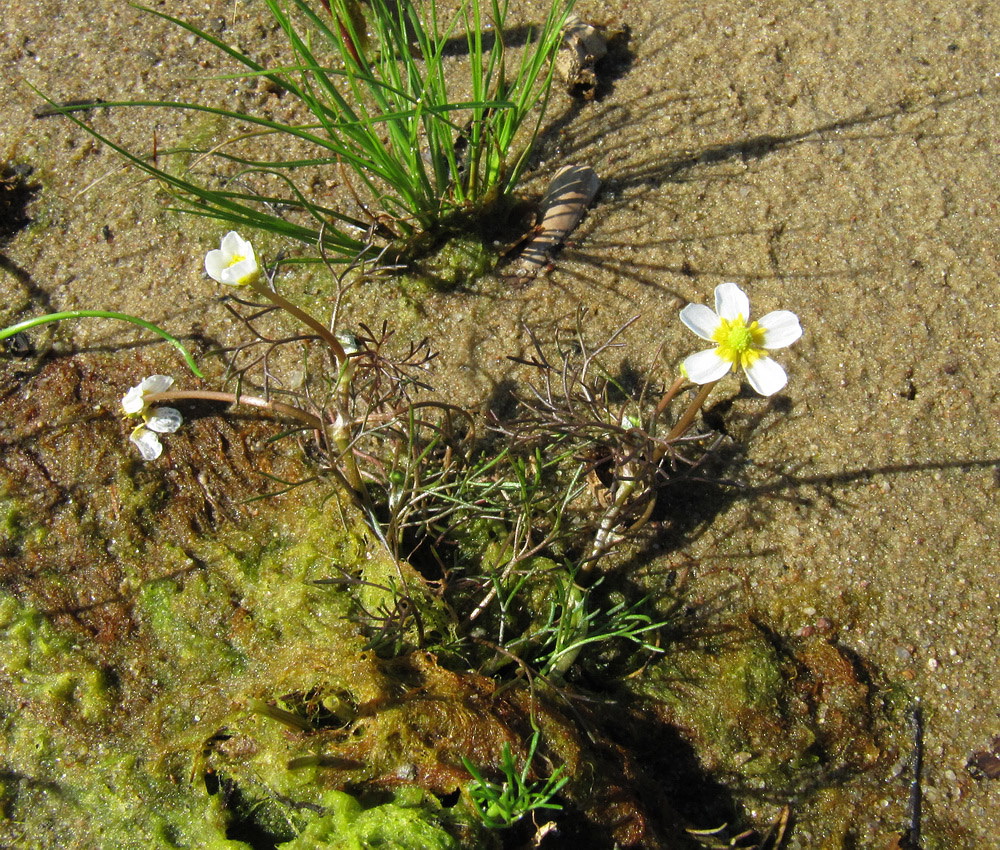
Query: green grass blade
{"points": [[103, 314]]}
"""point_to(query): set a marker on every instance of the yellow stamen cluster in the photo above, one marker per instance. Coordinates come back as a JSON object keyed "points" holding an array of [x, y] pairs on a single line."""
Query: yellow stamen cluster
{"points": [[739, 343]]}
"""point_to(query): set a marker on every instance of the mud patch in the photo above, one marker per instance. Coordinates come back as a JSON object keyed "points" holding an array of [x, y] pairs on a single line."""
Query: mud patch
{"points": [[17, 191]]}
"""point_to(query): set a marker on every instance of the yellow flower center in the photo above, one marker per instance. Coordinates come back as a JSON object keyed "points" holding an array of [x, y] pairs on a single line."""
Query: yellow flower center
{"points": [[739, 343], [252, 276]]}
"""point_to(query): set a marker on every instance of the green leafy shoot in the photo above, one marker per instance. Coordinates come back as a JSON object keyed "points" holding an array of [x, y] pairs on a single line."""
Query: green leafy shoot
{"points": [[571, 627], [503, 804]]}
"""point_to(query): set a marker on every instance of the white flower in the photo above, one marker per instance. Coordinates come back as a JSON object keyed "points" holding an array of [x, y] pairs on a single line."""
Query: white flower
{"points": [[739, 343], [234, 263], [163, 420], [158, 420], [134, 401]]}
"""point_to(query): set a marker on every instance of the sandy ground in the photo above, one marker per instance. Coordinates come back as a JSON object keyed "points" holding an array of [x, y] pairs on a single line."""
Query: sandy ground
{"points": [[838, 159]]}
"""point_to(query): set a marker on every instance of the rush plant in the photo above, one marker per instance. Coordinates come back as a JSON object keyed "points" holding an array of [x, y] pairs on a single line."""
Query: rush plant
{"points": [[426, 119]]}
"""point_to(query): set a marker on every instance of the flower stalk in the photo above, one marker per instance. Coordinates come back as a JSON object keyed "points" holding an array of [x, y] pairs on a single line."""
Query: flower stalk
{"points": [[682, 424], [289, 410], [234, 263], [330, 338]]}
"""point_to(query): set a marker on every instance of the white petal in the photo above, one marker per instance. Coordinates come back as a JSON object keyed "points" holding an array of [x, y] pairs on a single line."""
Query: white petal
{"points": [[164, 420], [240, 273], [132, 401], [781, 328], [233, 244], [147, 442], [156, 384], [731, 302], [215, 264], [766, 376], [705, 366], [700, 319]]}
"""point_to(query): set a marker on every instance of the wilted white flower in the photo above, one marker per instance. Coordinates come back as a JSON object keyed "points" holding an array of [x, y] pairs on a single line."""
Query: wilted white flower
{"points": [[157, 420], [739, 342], [234, 262], [134, 401]]}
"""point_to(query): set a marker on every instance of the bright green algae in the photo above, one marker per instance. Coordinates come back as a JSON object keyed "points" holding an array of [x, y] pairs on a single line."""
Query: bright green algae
{"points": [[92, 758], [399, 825], [134, 719]]}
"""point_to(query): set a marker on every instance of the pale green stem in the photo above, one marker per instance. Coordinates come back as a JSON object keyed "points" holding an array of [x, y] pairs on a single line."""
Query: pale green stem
{"points": [[336, 349], [340, 430], [602, 540], [605, 537], [102, 314]]}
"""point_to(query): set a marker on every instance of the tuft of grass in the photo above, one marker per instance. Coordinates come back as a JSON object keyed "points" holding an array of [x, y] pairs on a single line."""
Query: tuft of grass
{"points": [[424, 144]]}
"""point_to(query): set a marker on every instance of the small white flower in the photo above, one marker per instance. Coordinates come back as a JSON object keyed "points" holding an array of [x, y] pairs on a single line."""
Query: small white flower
{"points": [[739, 342], [134, 401], [158, 420], [234, 263]]}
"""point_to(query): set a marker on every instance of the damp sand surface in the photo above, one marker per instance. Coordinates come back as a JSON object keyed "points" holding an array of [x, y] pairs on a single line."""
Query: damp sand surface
{"points": [[836, 159]]}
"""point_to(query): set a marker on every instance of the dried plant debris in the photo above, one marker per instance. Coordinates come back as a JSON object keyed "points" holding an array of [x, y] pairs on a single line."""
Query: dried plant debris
{"points": [[571, 191], [583, 47], [985, 764]]}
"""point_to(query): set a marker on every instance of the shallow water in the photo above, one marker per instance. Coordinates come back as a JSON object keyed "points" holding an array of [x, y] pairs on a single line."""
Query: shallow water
{"points": [[836, 159]]}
